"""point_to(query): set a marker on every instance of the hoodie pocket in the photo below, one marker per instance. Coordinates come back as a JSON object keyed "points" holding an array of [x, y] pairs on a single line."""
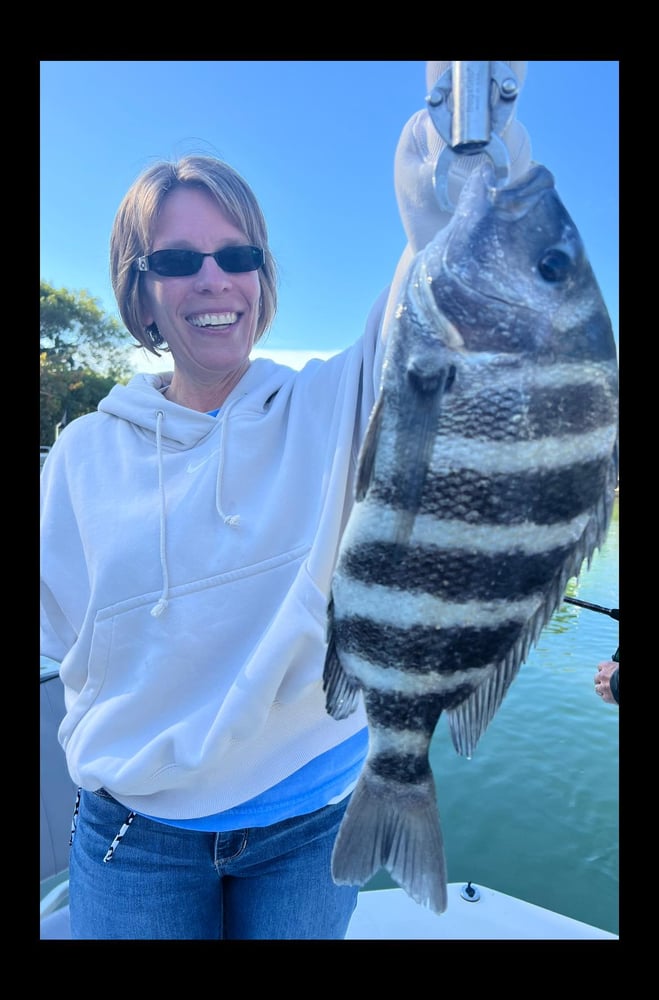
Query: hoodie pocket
{"points": [[207, 671]]}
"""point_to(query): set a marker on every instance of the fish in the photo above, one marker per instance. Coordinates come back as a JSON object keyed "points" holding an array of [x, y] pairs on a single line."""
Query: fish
{"points": [[485, 481]]}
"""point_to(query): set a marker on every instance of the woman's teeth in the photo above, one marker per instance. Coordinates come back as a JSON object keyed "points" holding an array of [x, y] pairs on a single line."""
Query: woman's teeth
{"points": [[214, 319]]}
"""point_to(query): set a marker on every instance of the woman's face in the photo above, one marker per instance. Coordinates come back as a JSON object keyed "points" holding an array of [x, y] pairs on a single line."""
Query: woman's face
{"points": [[207, 319]]}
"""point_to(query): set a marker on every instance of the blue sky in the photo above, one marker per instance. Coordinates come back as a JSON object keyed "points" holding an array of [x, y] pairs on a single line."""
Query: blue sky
{"points": [[316, 141]]}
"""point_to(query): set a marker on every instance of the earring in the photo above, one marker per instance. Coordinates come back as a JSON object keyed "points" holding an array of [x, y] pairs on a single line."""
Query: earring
{"points": [[153, 334]]}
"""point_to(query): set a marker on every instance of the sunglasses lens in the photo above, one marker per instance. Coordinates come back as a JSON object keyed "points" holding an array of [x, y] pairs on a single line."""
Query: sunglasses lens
{"points": [[237, 259], [177, 263]]}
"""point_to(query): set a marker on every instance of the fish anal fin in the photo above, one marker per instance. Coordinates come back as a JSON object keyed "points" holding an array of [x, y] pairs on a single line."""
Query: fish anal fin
{"points": [[469, 720]]}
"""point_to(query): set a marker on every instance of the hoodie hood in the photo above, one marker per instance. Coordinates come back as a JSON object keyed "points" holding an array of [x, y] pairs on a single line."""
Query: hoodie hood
{"points": [[141, 402]]}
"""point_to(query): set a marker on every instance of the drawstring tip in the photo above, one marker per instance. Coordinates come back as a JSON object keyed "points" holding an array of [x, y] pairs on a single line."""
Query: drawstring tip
{"points": [[159, 608], [232, 520]]}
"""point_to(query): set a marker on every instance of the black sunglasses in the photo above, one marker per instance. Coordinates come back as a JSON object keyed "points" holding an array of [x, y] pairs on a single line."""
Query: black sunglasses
{"points": [[177, 263]]}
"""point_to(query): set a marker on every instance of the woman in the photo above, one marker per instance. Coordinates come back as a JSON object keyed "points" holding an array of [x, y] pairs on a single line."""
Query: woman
{"points": [[190, 531]]}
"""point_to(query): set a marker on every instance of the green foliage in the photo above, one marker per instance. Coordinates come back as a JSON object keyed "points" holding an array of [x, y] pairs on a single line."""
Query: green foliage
{"points": [[82, 354]]}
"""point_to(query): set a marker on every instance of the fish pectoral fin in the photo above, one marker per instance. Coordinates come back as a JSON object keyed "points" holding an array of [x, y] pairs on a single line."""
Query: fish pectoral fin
{"points": [[430, 376], [368, 450]]}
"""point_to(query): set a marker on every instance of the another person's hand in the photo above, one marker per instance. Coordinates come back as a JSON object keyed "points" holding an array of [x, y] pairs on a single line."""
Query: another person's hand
{"points": [[605, 671]]}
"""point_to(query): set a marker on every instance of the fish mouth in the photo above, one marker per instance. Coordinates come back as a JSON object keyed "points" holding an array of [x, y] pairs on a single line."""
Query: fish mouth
{"points": [[515, 200]]}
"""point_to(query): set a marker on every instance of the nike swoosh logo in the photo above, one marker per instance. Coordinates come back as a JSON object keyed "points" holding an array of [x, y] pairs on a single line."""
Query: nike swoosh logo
{"points": [[195, 466]]}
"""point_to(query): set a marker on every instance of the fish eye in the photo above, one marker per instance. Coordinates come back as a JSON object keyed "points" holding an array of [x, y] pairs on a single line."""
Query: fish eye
{"points": [[554, 265]]}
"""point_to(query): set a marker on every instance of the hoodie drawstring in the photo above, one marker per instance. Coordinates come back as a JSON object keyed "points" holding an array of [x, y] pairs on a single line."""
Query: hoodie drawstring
{"points": [[231, 520], [158, 608]]}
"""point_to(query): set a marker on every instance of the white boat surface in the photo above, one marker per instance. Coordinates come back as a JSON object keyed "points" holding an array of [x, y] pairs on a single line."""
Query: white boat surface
{"points": [[390, 914], [473, 912]]}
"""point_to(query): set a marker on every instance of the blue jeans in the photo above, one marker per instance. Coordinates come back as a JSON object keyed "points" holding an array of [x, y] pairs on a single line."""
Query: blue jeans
{"points": [[163, 882]]}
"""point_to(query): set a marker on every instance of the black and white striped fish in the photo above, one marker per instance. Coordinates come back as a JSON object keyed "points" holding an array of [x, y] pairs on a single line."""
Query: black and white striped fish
{"points": [[486, 480]]}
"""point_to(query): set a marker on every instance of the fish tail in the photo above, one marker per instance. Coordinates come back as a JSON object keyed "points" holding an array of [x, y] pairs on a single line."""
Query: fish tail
{"points": [[400, 833]]}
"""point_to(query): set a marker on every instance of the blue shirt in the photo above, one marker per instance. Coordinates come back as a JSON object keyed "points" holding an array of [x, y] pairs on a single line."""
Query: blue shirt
{"points": [[324, 779]]}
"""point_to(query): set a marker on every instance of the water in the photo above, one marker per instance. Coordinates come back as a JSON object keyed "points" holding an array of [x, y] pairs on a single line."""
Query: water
{"points": [[534, 813]]}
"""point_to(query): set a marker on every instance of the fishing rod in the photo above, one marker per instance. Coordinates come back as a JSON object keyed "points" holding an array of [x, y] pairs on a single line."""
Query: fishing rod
{"points": [[611, 612]]}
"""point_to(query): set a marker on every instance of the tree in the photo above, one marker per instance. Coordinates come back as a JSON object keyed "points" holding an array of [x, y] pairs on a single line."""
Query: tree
{"points": [[74, 329], [82, 354]]}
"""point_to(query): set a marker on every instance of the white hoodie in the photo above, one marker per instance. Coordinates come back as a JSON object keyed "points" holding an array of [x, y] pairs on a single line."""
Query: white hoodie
{"points": [[186, 568]]}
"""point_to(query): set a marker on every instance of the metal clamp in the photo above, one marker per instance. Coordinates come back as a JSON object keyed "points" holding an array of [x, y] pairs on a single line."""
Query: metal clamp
{"points": [[471, 103]]}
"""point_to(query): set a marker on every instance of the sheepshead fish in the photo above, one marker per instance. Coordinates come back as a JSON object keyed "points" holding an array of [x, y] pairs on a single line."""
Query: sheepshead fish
{"points": [[486, 479]]}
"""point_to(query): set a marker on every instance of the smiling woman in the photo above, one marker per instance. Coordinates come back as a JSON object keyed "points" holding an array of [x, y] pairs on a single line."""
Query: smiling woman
{"points": [[223, 480]]}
